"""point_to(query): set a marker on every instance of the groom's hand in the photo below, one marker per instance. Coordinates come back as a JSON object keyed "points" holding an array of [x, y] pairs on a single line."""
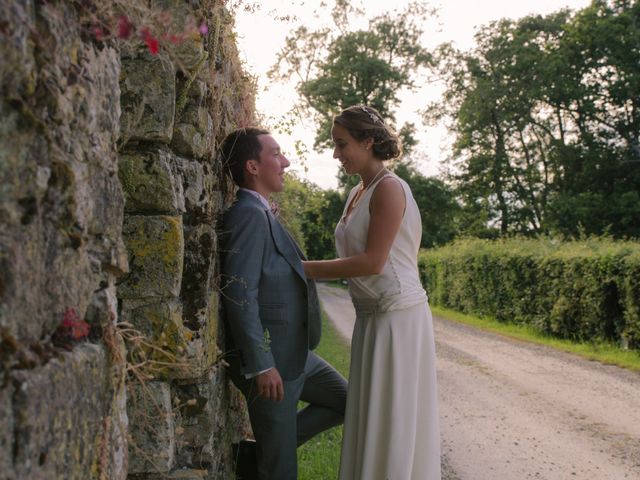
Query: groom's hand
{"points": [[270, 385]]}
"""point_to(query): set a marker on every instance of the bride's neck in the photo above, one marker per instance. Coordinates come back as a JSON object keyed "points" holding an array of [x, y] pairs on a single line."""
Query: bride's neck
{"points": [[372, 174]]}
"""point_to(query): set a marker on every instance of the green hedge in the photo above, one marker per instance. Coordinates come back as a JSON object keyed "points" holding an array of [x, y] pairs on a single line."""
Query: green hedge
{"points": [[582, 290]]}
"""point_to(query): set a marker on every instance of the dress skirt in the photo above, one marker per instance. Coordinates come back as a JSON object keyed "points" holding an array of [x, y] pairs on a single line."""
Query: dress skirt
{"points": [[391, 429]]}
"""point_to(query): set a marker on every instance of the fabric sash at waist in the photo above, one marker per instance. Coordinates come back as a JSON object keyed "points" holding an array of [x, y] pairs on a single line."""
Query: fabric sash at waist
{"points": [[389, 303]]}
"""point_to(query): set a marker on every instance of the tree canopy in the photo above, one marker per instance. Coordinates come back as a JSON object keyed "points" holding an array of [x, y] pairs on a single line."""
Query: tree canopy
{"points": [[339, 66], [545, 112]]}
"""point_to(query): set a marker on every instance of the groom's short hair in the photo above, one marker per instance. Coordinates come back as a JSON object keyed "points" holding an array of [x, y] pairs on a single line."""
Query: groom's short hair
{"points": [[238, 147]]}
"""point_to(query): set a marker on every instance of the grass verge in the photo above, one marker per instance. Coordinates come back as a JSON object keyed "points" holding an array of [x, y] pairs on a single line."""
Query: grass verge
{"points": [[599, 351], [320, 456]]}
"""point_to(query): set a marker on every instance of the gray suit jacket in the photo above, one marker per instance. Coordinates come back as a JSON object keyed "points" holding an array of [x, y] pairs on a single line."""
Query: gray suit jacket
{"points": [[271, 310]]}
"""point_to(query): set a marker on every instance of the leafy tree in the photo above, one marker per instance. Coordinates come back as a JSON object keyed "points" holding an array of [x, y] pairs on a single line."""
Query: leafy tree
{"points": [[338, 68], [437, 204], [598, 190], [545, 113], [310, 215], [494, 93], [320, 226]]}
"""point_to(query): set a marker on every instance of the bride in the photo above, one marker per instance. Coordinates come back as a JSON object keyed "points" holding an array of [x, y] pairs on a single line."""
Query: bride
{"points": [[391, 429]]}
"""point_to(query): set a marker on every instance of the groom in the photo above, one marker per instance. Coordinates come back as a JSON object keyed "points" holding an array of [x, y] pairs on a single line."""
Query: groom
{"points": [[272, 315]]}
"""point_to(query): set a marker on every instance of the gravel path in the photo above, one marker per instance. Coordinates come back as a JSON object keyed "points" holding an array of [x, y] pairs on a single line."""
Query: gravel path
{"points": [[511, 410]]}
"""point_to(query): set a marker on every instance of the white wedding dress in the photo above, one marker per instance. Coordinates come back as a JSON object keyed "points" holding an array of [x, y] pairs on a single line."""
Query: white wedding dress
{"points": [[391, 427]]}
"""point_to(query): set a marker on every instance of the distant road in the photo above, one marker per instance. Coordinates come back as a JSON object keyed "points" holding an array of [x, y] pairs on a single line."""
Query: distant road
{"points": [[511, 410]]}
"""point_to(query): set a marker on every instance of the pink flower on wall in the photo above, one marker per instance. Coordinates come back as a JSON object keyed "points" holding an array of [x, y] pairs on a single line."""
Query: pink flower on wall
{"points": [[125, 27], [75, 326], [152, 43], [71, 330]]}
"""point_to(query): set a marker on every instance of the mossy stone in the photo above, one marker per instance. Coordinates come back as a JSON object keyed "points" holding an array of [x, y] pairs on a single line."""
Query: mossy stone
{"points": [[152, 428], [156, 248], [149, 184], [165, 345], [148, 96], [64, 399]]}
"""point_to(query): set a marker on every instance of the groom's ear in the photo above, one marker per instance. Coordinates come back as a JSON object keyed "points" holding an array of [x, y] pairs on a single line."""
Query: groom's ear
{"points": [[251, 167]]}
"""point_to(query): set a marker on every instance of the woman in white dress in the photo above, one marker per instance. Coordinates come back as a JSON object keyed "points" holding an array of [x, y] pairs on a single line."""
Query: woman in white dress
{"points": [[391, 428]]}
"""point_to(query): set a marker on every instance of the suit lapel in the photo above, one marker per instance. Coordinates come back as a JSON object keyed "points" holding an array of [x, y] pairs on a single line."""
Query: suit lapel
{"points": [[286, 245]]}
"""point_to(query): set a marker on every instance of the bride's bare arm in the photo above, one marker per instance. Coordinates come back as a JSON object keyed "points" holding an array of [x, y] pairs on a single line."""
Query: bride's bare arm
{"points": [[387, 208]]}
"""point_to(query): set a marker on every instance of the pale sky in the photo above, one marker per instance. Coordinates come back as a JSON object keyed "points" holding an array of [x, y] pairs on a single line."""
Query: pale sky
{"points": [[261, 36]]}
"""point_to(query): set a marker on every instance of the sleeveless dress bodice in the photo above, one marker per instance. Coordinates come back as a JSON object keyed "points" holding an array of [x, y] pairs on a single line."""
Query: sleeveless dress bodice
{"points": [[398, 285]]}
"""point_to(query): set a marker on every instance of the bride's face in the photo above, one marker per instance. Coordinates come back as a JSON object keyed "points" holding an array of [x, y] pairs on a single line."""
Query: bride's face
{"points": [[354, 155]]}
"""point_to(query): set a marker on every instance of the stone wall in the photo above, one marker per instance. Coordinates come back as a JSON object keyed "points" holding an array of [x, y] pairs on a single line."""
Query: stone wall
{"points": [[109, 193]]}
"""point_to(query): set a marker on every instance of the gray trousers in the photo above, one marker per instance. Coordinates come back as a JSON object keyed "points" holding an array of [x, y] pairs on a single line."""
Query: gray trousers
{"points": [[279, 428]]}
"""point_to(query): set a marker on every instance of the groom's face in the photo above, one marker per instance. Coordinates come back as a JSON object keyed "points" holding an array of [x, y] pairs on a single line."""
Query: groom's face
{"points": [[271, 165]]}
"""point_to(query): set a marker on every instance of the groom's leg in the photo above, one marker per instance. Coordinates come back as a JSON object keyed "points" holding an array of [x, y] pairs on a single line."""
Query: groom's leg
{"points": [[274, 428], [326, 392]]}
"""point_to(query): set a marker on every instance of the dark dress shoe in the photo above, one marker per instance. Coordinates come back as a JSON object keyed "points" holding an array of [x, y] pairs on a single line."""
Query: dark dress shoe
{"points": [[244, 460]]}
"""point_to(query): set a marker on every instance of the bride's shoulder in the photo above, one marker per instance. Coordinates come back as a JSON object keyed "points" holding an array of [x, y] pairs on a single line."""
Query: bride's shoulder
{"points": [[390, 184], [389, 191]]}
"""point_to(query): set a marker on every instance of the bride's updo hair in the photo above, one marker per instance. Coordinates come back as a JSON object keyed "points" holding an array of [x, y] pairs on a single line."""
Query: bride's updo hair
{"points": [[364, 122]]}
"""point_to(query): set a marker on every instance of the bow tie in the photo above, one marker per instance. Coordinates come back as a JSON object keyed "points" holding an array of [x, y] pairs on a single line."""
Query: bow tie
{"points": [[275, 209]]}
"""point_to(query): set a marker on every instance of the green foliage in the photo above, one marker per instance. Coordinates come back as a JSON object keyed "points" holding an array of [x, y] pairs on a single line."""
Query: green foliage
{"points": [[336, 68], [546, 116], [322, 224], [437, 204], [582, 290], [310, 214]]}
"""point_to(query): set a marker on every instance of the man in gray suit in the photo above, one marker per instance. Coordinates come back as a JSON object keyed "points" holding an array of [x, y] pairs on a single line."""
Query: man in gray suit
{"points": [[271, 313]]}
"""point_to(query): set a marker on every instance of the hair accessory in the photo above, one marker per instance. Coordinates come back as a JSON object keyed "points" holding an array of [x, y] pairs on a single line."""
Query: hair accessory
{"points": [[374, 118]]}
